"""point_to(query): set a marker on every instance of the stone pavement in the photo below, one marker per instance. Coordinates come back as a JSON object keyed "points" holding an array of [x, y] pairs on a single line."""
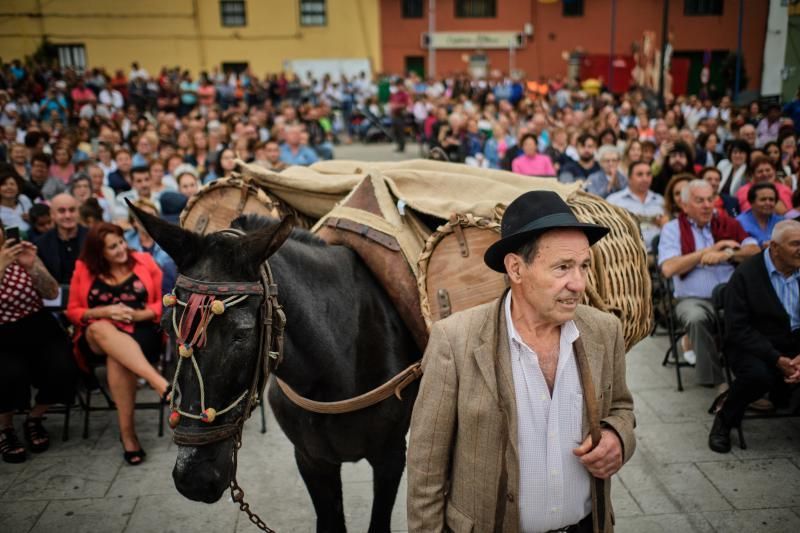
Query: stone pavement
{"points": [[674, 483]]}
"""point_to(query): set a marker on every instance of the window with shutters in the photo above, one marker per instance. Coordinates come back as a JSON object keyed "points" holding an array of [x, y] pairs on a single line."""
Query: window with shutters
{"points": [[413, 9], [702, 7], [72, 56], [476, 8], [233, 13], [313, 13], [572, 8]]}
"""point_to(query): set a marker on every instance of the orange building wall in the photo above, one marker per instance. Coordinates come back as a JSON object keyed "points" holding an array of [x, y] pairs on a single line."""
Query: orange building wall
{"points": [[555, 34]]}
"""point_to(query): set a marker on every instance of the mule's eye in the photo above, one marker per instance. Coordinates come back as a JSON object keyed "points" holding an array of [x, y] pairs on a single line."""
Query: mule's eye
{"points": [[240, 336]]}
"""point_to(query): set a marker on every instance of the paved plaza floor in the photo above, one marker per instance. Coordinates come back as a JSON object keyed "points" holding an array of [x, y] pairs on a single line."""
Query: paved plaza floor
{"points": [[673, 484]]}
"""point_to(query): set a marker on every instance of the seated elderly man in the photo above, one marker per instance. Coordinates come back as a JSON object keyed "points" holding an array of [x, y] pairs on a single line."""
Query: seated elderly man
{"points": [[646, 206], [762, 324], [698, 250]]}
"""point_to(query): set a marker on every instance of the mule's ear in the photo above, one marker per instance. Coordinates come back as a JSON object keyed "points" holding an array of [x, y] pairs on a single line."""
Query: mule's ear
{"points": [[267, 242], [181, 245]]}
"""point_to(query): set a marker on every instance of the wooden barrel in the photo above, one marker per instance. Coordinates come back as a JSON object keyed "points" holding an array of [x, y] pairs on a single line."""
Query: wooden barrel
{"points": [[453, 276], [220, 202]]}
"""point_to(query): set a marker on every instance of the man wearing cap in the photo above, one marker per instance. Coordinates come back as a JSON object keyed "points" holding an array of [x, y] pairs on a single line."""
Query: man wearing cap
{"points": [[523, 413]]}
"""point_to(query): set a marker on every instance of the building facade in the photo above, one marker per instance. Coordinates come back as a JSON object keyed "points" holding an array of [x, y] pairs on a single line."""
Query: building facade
{"points": [[538, 37], [194, 34]]}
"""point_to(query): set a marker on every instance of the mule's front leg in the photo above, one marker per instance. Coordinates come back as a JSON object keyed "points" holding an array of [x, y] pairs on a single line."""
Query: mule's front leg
{"points": [[324, 483], [387, 469]]}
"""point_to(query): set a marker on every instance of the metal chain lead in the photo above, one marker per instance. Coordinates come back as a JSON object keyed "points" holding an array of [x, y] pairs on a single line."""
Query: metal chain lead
{"points": [[237, 492]]}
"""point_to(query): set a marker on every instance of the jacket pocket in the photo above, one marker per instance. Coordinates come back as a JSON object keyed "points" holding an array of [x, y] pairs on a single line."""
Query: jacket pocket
{"points": [[456, 521]]}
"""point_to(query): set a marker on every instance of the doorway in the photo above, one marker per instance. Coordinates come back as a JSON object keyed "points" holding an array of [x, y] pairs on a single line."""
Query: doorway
{"points": [[415, 64]]}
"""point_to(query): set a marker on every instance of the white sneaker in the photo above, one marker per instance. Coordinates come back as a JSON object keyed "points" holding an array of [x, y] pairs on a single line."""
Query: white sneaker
{"points": [[690, 357]]}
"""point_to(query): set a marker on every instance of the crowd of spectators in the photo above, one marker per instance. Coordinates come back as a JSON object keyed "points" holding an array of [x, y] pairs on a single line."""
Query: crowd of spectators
{"points": [[707, 181]]}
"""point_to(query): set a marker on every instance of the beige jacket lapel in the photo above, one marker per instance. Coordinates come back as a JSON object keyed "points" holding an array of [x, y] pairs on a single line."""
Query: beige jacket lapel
{"points": [[589, 349], [493, 357]]}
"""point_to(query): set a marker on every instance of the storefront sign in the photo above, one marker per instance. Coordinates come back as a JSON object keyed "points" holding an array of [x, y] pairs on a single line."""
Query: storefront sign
{"points": [[474, 40]]}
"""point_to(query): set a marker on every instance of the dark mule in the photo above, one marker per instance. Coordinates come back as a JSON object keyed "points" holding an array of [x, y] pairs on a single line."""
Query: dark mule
{"points": [[343, 337]]}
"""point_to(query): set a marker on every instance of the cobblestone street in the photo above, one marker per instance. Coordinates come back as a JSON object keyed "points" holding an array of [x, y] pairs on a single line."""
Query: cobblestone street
{"points": [[674, 483]]}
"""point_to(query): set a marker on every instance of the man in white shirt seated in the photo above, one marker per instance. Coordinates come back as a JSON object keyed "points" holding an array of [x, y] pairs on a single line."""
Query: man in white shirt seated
{"points": [[646, 206]]}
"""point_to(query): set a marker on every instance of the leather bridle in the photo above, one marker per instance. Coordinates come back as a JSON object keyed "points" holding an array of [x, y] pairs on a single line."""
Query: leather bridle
{"points": [[206, 300]]}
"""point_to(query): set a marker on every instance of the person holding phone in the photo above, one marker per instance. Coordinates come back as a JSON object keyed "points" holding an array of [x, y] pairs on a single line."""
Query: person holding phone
{"points": [[35, 351]]}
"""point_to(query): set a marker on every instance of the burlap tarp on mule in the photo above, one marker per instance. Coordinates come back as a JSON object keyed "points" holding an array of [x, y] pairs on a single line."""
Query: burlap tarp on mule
{"points": [[619, 281]]}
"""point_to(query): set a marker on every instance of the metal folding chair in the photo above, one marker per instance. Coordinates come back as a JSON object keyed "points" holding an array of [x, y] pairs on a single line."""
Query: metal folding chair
{"points": [[675, 330]]}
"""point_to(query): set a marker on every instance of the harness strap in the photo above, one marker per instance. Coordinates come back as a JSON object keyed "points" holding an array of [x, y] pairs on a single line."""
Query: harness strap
{"points": [[207, 436], [394, 387], [219, 288]]}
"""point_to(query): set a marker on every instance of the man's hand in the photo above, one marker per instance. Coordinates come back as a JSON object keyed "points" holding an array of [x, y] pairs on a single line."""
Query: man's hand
{"points": [[794, 365], [786, 366], [606, 459], [725, 243], [712, 257]]}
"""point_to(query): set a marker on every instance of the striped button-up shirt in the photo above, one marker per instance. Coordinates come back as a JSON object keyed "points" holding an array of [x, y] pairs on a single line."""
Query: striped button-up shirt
{"points": [[554, 487], [787, 290]]}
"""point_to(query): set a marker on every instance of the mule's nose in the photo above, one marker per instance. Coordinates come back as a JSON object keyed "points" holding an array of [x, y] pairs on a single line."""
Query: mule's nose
{"points": [[199, 486], [199, 479]]}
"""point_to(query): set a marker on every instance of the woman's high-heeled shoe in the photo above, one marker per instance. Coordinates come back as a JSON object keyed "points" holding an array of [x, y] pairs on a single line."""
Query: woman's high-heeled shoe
{"points": [[134, 458]]}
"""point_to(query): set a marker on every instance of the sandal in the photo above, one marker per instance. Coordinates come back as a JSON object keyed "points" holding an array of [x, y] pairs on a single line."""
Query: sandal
{"points": [[35, 434], [134, 458], [12, 449]]}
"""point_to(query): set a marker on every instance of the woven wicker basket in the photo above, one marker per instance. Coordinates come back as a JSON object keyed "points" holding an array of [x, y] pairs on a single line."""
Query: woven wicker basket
{"points": [[619, 281]]}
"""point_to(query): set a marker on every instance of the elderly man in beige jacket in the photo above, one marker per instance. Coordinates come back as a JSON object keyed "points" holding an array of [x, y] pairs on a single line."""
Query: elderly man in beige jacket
{"points": [[523, 413]]}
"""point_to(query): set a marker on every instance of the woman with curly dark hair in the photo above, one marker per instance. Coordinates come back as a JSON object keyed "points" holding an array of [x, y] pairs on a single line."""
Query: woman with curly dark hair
{"points": [[115, 304]]}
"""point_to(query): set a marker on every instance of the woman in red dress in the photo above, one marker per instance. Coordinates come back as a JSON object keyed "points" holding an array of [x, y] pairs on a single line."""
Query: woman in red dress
{"points": [[115, 304]]}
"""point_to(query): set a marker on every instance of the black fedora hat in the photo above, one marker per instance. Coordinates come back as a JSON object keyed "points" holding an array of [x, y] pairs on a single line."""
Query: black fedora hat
{"points": [[530, 215]]}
